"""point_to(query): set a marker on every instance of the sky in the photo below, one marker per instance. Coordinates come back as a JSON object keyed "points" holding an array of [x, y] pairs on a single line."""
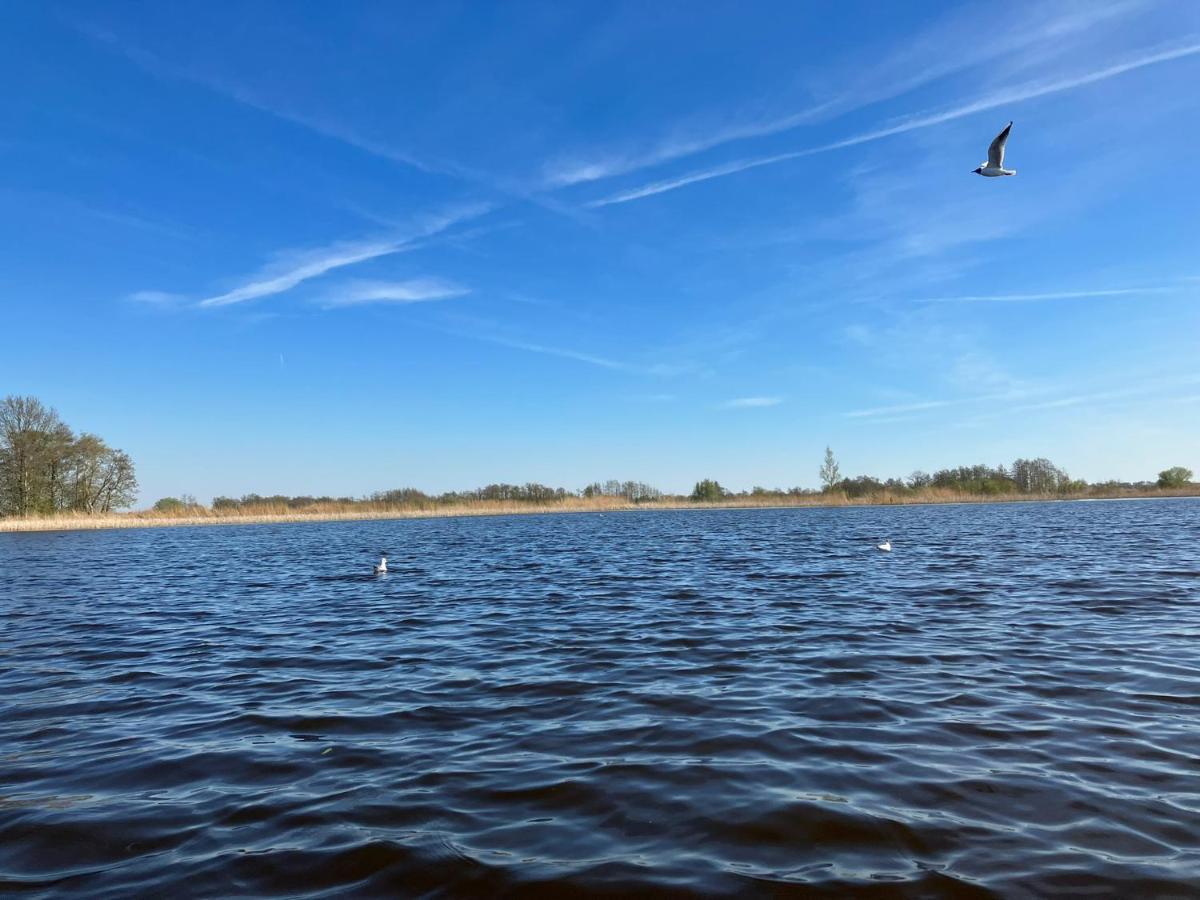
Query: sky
{"points": [[309, 248]]}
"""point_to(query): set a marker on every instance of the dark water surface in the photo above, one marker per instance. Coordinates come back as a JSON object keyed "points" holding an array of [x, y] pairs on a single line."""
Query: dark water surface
{"points": [[749, 703]]}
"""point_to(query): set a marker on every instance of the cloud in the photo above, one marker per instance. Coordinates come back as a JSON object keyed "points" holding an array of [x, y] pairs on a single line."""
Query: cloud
{"points": [[162, 68], [303, 266], [671, 184], [157, 298], [1151, 386], [415, 290], [1028, 91], [657, 369], [564, 353], [576, 355], [563, 173], [483, 330], [324, 125], [1080, 399], [953, 44], [1051, 295], [295, 268], [60, 205], [899, 408], [751, 402]]}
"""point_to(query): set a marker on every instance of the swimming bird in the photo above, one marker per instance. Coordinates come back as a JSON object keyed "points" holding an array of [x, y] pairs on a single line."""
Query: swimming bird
{"points": [[381, 568], [995, 161], [886, 546]]}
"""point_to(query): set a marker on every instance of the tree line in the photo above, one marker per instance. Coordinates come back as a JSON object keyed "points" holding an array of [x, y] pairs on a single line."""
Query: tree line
{"points": [[46, 468], [1033, 477], [530, 492], [1024, 476], [633, 491]]}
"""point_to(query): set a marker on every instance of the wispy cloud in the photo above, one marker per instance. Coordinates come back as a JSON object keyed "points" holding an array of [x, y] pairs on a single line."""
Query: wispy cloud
{"points": [[295, 268], [476, 329], [1081, 399], [1160, 387], [952, 44], [324, 124], [60, 205], [590, 359], [1028, 91], [161, 299], [751, 402], [1050, 295], [563, 173], [672, 184], [414, 290], [162, 68], [1008, 402], [899, 408], [300, 267]]}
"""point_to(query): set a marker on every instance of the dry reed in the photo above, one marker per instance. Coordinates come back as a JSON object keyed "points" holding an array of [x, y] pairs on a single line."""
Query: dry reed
{"points": [[261, 514]]}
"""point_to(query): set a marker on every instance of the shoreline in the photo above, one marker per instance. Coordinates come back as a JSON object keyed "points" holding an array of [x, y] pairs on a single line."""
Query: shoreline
{"points": [[118, 521]]}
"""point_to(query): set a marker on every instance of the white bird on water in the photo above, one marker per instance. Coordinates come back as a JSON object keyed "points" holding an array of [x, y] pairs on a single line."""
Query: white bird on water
{"points": [[886, 546], [381, 568], [995, 161]]}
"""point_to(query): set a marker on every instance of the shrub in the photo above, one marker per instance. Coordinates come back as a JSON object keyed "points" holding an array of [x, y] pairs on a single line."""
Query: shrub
{"points": [[708, 491], [1174, 477]]}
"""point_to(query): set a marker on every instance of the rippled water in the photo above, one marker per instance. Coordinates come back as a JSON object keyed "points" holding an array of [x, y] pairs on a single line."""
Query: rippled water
{"points": [[709, 702]]}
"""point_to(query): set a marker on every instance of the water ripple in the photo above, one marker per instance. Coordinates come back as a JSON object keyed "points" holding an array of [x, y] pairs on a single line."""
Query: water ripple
{"points": [[711, 703]]}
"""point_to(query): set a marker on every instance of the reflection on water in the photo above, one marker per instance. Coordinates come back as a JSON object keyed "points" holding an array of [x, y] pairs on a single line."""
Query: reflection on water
{"points": [[711, 702]]}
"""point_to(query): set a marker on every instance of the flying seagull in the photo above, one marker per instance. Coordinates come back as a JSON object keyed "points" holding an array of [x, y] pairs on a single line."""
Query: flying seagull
{"points": [[995, 161]]}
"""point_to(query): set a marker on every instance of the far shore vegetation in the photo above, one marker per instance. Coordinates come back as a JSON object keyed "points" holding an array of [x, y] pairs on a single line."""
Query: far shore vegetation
{"points": [[51, 478]]}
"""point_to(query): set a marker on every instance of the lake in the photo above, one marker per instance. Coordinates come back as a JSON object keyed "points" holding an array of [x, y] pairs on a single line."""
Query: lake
{"points": [[697, 703]]}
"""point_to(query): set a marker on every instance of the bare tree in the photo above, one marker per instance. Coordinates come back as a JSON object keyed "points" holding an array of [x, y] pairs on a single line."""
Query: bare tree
{"points": [[120, 483], [102, 478], [1038, 476], [44, 468], [919, 479], [30, 436], [830, 473]]}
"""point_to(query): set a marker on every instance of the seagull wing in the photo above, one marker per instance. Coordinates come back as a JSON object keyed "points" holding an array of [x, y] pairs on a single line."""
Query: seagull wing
{"points": [[996, 150]]}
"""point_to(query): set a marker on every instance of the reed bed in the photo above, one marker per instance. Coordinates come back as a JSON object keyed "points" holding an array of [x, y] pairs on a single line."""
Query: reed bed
{"points": [[262, 514]]}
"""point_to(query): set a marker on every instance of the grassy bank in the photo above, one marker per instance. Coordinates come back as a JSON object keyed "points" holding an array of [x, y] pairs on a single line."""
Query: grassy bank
{"points": [[365, 511]]}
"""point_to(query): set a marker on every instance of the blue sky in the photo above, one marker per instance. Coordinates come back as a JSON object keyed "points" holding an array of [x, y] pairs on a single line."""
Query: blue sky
{"points": [[305, 249]]}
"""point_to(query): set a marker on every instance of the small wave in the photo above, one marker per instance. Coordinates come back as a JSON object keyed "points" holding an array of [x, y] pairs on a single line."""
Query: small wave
{"points": [[687, 705]]}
